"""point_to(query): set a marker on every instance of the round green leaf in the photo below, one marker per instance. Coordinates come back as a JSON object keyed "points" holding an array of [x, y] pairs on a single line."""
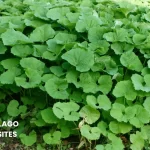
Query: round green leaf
{"points": [[91, 133], [52, 138], [30, 139], [56, 88], [82, 59], [89, 114], [68, 111], [12, 108], [48, 116]]}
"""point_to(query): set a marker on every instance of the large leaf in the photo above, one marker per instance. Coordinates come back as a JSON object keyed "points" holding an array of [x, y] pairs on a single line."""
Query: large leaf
{"points": [[12, 37], [42, 33], [57, 88], [125, 89], [131, 61], [52, 138], [68, 111], [82, 59], [89, 114]]}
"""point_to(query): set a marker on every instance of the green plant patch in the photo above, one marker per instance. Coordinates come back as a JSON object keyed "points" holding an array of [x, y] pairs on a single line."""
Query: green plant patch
{"points": [[76, 69]]}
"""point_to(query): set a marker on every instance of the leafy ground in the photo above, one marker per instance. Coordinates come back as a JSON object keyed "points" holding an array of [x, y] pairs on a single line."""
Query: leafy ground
{"points": [[75, 74]]}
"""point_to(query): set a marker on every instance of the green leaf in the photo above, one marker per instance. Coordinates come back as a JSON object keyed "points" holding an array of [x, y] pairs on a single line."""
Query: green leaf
{"points": [[30, 80], [12, 37], [28, 140], [72, 77], [56, 88], [120, 48], [8, 77], [146, 104], [83, 60], [72, 17], [67, 110], [100, 47], [120, 35], [103, 127], [93, 36], [57, 70], [53, 138], [39, 50], [48, 116], [3, 48], [131, 61], [105, 87], [65, 38], [117, 112], [87, 22], [22, 50], [119, 127], [42, 33], [105, 64], [32, 63], [10, 63], [102, 102], [141, 83], [145, 130], [125, 89], [12, 108], [116, 142], [147, 16], [89, 114], [88, 81], [137, 141], [139, 38], [53, 50], [100, 147], [2, 107], [91, 133], [57, 13]]}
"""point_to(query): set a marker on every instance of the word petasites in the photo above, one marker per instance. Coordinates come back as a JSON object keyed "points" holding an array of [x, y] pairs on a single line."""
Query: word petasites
{"points": [[9, 124], [8, 134]]}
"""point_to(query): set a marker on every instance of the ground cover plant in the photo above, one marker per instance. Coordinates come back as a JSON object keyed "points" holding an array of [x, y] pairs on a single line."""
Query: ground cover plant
{"points": [[76, 69]]}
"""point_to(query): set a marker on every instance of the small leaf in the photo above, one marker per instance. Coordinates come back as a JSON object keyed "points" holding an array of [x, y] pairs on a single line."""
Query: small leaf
{"points": [[30, 139], [52, 138], [12, 108], [48, 116], [105, 87], [91, 133]]}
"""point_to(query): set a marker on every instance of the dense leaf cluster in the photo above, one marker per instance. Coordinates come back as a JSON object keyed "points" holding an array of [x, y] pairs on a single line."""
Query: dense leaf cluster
{"points": [[79, 67]]}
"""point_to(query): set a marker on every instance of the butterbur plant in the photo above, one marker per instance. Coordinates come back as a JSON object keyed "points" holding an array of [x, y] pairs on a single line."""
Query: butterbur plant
{"points": [[76, 69]]}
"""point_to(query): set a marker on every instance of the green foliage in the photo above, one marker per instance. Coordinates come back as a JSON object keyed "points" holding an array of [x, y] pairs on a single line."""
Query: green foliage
{"points": [[76, 68]]}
